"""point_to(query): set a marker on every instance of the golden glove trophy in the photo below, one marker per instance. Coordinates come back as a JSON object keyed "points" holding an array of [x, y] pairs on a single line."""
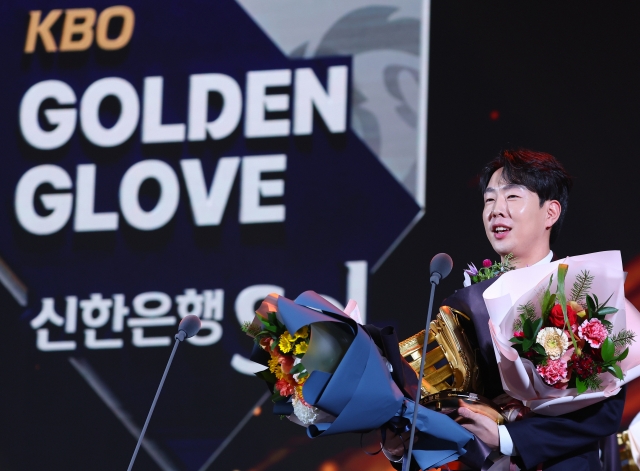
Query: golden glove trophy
{"points": [[451, 374]]}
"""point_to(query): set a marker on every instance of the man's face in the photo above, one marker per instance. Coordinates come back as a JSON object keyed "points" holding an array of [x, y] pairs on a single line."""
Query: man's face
{"points": [[513, 219]]}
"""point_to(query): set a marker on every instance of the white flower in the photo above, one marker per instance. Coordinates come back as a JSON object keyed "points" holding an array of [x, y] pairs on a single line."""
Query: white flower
{"points": [[306, 414], [554, 342]]}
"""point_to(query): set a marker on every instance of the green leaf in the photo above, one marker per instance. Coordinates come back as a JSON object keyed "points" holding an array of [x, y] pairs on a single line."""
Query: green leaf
{"points": [[608, 350], [517, 340], [271, 328], [581, 386], [277, 397], [527, 328], [622, 356], [299, 368], [266, 375], [591, 306], [547, 300], [537, 325], [539, 349], [605, 311], [616, 371], [526, 345]]}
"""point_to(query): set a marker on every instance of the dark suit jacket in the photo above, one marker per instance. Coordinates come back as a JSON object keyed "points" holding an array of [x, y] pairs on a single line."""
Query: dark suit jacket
{"points": [[566, 442]]}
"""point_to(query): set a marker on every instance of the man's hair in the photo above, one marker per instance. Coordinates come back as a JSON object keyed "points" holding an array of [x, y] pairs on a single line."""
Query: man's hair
{"points": [[539, 172]]}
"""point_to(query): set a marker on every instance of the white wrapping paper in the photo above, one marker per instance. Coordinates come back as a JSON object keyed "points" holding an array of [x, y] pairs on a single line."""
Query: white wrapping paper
{"points": [[519, 376]]}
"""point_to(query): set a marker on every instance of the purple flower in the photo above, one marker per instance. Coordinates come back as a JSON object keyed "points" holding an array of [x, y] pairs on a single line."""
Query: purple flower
{"points": [[486, 263], [472, 271]]}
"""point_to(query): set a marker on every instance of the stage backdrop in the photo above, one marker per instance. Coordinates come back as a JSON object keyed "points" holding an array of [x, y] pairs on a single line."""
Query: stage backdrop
{"points": [[173, 158]]}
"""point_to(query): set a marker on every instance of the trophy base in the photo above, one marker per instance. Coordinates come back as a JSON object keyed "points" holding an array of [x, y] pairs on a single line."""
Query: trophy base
{"points": [[448, 401]]}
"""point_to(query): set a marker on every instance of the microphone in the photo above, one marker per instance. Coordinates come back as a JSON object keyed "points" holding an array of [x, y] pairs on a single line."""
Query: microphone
{"points": [[439, 268], [189, 326]]}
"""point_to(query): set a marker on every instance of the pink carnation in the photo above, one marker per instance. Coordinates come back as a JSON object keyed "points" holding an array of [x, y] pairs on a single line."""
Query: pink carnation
{"points": [[553, 371], [593, 332]]}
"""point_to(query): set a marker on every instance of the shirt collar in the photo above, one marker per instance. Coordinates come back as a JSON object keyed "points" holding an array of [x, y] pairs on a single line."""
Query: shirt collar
{"points": [[546, 259]]}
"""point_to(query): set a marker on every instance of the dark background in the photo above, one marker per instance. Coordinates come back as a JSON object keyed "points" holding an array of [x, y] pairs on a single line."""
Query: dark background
{"points": [[564, 80]]}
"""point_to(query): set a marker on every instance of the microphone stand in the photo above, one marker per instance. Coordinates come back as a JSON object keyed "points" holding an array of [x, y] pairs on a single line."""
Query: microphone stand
{"points": [[435, 279], [188, 328], [153, 404]]}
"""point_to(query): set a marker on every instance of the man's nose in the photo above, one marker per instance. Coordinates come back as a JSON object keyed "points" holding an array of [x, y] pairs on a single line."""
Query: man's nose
{"points": [[499, 207]]}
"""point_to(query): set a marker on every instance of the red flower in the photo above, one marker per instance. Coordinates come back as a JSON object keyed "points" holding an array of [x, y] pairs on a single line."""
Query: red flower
{"points": [[286, 362], [556, 318], [518, 334], [284, 387], [584, 365], [486, 263]]}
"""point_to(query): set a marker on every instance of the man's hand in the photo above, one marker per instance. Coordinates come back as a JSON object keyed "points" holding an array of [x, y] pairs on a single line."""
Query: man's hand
{"points": [[481, 426]]}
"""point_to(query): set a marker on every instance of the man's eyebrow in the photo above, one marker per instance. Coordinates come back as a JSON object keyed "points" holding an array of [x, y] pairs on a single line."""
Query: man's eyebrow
{"points": [[508, 186]]}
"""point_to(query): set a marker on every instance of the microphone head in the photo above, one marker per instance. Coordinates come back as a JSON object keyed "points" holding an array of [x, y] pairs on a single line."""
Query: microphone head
{"points": [[190, 325], [441, 264]]}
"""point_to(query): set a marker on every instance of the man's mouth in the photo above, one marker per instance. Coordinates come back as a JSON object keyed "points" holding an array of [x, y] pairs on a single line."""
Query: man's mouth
{"points": [[501, 232]]}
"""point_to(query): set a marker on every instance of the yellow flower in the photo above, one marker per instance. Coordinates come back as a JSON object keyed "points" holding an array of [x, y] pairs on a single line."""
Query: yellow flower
{"points": [[301, 348], [274, 365], [303, 333], [285, 342]]}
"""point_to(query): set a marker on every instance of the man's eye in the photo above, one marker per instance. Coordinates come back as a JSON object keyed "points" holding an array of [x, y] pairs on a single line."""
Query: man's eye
{"points": [[488, 200], [512, 197]]}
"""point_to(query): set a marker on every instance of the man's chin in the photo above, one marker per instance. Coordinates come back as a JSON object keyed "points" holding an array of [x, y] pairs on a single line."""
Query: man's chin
{"points": [[502, 248]]}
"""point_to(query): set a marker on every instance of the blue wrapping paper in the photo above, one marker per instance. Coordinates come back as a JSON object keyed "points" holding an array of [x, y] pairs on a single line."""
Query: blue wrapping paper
{"points": [[361, 393]]}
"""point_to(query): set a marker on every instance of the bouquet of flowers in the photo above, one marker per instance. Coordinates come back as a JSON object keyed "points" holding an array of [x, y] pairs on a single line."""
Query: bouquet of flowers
{"points": [[558, 348], [571, 342], [286, 371], [326, 368]]}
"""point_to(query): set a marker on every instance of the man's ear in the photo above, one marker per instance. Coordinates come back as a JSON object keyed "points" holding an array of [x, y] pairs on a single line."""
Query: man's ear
{"points": [[553, 212]]}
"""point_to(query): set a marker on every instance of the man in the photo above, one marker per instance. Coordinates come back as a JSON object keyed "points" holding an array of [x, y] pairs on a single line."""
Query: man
{"points": [[525, 201]]}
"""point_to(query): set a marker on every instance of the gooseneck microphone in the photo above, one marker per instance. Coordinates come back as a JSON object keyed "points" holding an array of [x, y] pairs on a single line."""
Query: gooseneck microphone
{"points": [[189, 326], [439, 268]]}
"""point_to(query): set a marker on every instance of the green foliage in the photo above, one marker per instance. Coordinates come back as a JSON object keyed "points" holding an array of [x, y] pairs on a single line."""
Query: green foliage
{"points": [[607, 350], [525, 311], [497, 269], [548, 300], [562, 298], [581, 286], [299, 368], [624, 338], [592, 382], [276, 397], [595, 310]]}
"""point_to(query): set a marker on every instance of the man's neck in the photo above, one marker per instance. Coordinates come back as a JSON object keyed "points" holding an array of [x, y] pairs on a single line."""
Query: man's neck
{"points": [[531, 258]]}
